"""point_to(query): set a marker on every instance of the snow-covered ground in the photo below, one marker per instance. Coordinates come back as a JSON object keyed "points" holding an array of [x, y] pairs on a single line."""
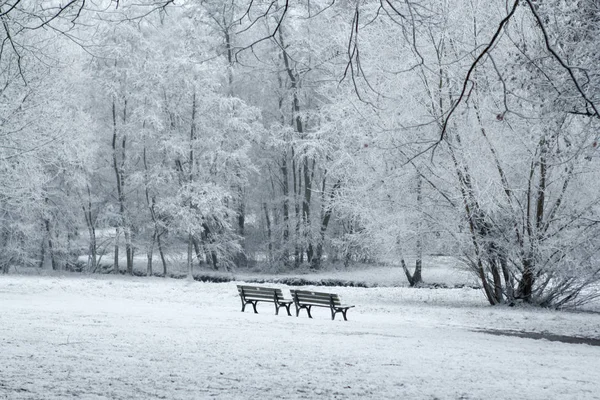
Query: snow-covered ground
{"points": [[106, 337]]}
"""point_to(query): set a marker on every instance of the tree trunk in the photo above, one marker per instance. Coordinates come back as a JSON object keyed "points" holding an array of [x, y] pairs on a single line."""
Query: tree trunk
{"points": [[189, 257], [128, 250], [409, 276], [162, 255], [416, 276], [149, 255], [119, 175], [197, 249], [297, 181], [317, 258], [241, 217], [269, 238], [306, 210], [191, 238], [211, 253], [90, 222], [240, 258], [116, 255], [42, 252], [286, 209], [51, 245], [93, 250]]}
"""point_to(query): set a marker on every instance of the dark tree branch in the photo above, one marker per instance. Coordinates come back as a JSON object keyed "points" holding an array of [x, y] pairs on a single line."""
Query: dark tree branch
{"points": [[558, 58], [483, 53]]}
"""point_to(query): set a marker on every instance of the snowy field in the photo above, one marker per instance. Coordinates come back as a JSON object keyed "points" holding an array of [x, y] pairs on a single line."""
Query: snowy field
{"points": [[106, 337]]}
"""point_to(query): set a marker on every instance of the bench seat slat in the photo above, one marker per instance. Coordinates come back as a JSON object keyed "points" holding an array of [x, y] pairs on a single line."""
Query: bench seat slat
{"points": [[323, 299], [317, 302], [315, 294], [269, 292], [264, 297], [261, 292], [258, 289], [261, 296]]}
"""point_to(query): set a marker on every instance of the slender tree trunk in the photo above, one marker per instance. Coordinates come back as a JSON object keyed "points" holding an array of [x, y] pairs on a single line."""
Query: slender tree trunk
{"points": [[286, 209], [417, 278], [42, 251], [119, 175], [149, 255], [348, 248], [51, 245], [190, 264], [240, 259], [317, 258], [306, 210], [197, 249], [123, 208], [90, 222], [93, 249], [525, 287], [212, 253], [409, 276], [162, 255], [241, 217], [297, 181], [269, 236], [116, 255], [497, 280], [229, 53], [151, 204], [4, 236], [189, 257]]}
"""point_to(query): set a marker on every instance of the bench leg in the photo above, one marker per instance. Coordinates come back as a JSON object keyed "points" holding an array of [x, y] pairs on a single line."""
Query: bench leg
{"points": [[278, 306], [307, 308], [334, 311], [245, 303]]}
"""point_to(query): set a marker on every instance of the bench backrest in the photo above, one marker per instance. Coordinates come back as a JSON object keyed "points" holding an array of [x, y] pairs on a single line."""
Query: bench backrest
{"points": [[319, 298], [260, 292]]}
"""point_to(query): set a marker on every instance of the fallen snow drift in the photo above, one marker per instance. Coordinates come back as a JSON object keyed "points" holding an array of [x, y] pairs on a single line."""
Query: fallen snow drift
{"points": [[152, 338]]}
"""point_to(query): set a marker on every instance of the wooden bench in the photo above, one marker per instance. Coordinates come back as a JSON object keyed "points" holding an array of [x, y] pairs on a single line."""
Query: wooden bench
{"points": [[254, 294], [306, 299]]}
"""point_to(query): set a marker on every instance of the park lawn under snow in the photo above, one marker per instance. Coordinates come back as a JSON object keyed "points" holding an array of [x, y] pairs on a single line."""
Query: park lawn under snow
{"points": [[106, 337]]}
